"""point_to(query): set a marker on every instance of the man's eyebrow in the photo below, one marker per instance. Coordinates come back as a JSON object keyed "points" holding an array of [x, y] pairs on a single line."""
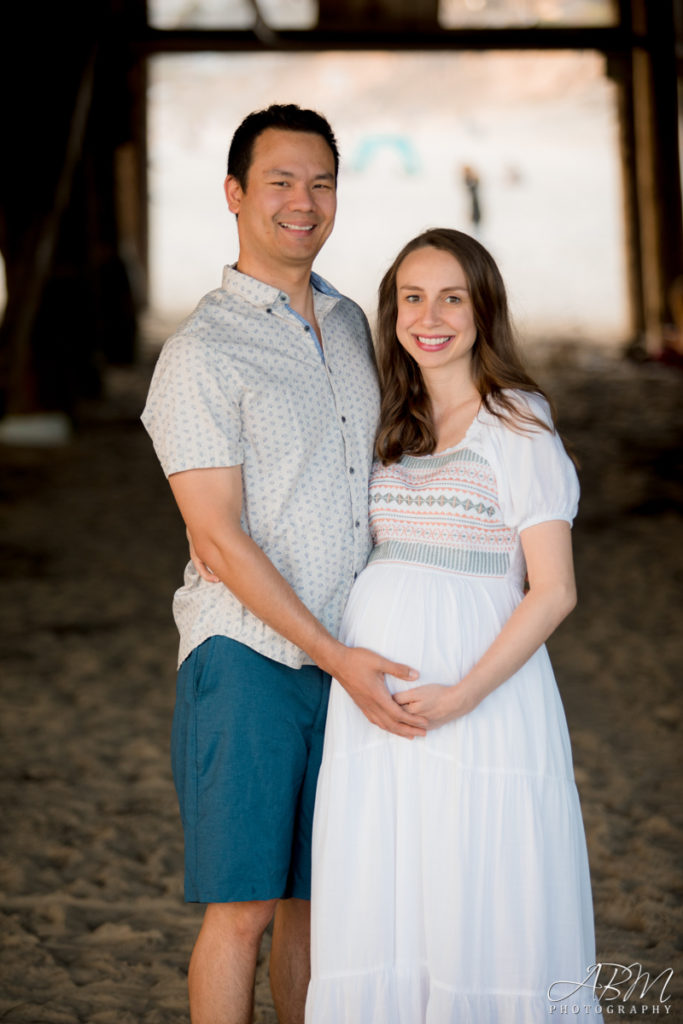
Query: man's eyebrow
{"points": [[323, 176]]}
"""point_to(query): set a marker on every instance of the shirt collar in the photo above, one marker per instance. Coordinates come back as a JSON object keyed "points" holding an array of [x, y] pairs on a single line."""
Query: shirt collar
{"points": [[321, 285], [258, 293]]}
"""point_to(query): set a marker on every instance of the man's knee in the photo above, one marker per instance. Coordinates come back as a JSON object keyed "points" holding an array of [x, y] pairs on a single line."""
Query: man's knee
{"points": [[245, 921], [294, 913]]}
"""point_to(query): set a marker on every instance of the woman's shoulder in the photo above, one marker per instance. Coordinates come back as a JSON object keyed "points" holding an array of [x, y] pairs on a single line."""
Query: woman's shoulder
{"points": [[536, 477], [518, 413], [528, 402]]}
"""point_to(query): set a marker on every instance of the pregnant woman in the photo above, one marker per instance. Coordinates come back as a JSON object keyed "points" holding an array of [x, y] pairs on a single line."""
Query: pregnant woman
{"points": [[450, 876]]}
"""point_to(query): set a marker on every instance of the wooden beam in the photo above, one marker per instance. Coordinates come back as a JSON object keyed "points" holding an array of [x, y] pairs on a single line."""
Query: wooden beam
{"points": [[656, 168], [619, 39], [395, 14]]}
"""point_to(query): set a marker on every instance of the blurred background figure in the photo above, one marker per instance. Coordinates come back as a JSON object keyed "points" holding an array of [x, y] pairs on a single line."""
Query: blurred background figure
{"points": [[471, 181]]}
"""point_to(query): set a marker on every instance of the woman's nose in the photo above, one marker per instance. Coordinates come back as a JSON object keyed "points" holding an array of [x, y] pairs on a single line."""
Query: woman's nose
{"points": [[430, 313]]}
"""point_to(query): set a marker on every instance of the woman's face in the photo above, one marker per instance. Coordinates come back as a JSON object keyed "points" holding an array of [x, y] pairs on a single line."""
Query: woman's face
{"points": [[435, 321]]}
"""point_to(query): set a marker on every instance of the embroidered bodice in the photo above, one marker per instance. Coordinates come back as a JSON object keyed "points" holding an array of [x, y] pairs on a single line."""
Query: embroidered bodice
{"points": [[462, 510], [442, 511]]}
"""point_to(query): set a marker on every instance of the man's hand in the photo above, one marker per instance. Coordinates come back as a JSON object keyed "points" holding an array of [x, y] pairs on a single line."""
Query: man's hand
{"points": [[361, 672]]}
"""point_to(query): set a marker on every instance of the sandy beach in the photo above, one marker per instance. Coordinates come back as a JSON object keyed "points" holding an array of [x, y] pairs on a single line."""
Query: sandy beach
{"points": [[93, 927]]}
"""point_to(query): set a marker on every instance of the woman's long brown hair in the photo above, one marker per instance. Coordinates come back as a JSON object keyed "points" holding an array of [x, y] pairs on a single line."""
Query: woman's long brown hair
{"points": [[406, 423]]}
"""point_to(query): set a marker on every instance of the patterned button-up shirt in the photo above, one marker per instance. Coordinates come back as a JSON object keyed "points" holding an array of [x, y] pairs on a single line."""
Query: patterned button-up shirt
{"points": [[244, 382]]}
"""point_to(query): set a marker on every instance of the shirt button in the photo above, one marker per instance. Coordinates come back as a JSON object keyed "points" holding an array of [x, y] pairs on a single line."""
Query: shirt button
{"points": [[351, 469], [269, 310], [306, 327], [343, 419], [357, 522], [355, 575]]}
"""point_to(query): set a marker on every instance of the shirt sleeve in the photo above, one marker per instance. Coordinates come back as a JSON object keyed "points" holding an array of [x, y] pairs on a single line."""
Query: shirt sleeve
{"points": [[539, 481], [192, 412]]}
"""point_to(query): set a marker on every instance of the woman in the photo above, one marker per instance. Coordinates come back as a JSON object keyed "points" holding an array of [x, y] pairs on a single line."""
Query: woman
{"points": [[450, 879]]}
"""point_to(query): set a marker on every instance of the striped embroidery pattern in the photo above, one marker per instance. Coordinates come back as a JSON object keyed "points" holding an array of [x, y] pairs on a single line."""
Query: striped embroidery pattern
{"points": [[470, 563], [440, 511]]}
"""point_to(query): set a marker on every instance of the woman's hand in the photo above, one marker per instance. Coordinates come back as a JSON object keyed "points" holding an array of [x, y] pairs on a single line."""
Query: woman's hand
{"points": [[437, 703], [203, 570]]}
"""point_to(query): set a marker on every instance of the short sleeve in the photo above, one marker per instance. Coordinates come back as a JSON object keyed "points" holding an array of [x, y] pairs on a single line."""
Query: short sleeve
{"points": [[537, 479], [192, 411]]}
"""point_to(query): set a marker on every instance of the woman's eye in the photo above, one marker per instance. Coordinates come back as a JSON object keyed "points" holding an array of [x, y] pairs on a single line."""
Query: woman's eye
{"points": [[454, 299], [412, 298]]}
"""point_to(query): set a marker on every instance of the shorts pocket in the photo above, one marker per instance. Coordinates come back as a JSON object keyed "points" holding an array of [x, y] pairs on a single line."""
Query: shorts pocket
{"points": [[204, 680]]}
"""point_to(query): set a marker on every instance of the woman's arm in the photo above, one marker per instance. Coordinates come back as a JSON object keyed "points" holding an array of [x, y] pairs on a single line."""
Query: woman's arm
{"points": [[551, 596]]}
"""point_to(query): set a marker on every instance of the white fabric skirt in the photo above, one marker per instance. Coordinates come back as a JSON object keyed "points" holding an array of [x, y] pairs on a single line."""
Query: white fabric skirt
{"points": [[450, 875]]}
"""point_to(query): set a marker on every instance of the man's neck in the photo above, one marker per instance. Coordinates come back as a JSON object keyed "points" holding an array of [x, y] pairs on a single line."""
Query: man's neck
{"points": [[294, 281]]}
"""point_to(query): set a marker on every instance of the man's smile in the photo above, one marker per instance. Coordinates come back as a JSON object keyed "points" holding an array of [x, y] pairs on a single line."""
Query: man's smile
{"points": [[296, 227]]}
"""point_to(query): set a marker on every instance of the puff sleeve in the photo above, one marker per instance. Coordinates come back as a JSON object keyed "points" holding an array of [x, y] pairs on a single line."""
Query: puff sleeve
{"points": [[192, 412], [536, 478]]}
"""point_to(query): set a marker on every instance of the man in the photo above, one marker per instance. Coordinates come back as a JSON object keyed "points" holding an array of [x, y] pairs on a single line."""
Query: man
{"points": [[262, 410]]}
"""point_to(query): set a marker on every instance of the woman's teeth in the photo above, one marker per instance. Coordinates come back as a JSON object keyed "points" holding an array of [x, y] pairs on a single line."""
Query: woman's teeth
{"points": [[433, 343]]}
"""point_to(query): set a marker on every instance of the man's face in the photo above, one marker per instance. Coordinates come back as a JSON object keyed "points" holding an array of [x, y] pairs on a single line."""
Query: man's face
{"points": [[286, 212]]}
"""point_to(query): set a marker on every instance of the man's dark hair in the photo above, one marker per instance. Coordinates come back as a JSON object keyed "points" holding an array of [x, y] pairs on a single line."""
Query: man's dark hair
{"points": [[286, 117]]}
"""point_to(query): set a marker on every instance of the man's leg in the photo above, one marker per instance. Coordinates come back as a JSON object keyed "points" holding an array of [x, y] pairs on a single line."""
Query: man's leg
{"points": [[223, 962], [290, 959]]}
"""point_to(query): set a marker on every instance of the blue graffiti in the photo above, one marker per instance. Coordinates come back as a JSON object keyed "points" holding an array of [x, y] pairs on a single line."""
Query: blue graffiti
{"points": [[404, 148]]}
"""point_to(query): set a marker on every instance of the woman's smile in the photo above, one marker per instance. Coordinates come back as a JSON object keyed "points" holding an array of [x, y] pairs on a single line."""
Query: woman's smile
{"points": [[433, 344]]}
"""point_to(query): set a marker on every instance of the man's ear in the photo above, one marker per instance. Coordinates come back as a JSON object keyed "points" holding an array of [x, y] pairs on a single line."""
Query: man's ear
{"points": [[233, 193]]}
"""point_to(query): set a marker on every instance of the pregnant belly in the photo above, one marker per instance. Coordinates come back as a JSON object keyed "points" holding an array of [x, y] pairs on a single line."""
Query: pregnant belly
{"points": [[437, 622]]}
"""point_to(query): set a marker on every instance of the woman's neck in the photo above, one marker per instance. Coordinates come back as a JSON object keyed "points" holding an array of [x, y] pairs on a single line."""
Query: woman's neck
{"points": [[455, 402]]}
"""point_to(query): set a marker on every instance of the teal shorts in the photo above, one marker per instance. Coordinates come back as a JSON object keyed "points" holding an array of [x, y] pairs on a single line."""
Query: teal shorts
{"points": [[245, 750]]}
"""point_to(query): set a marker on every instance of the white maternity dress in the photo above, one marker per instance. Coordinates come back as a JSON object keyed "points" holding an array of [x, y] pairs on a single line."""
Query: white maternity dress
{"points": [[450, 875]]}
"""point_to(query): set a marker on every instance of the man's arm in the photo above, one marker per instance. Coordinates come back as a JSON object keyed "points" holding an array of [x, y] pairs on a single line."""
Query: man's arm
{"points": [[210, 502]]}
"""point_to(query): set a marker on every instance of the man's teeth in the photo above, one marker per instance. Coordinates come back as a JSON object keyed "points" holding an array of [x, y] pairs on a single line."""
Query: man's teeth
{"points": [[298, 227]]}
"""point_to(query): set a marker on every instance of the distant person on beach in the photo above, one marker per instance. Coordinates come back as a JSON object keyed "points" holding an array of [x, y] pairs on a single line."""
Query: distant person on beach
{"points": [[262, 409], [450, 875], [471, 181]]}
